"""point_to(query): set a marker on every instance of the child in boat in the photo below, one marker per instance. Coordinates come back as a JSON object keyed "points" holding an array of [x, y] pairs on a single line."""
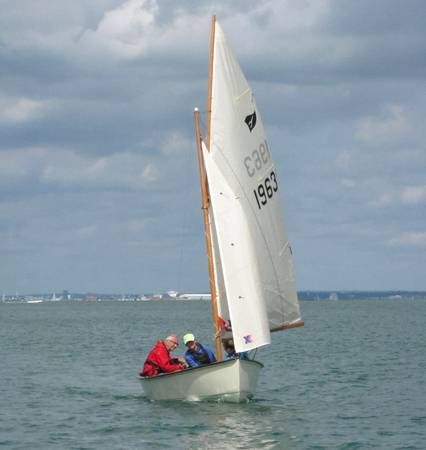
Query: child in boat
{"points": [[230, 351]]}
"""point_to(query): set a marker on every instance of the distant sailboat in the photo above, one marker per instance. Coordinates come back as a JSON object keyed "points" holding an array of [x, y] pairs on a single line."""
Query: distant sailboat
{"points": [[250, 268]]}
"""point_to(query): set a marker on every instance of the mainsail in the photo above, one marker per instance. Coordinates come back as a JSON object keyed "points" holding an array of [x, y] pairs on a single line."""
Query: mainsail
{"points": [[252, 256]]}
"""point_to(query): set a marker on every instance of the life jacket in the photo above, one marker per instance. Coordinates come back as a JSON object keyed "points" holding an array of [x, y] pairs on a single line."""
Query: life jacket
{"points": [[202, 357], [159, 361], [150, 369]]}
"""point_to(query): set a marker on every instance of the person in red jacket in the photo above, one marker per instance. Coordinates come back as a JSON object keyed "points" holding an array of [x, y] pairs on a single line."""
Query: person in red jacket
{"points": [[159, 359]]}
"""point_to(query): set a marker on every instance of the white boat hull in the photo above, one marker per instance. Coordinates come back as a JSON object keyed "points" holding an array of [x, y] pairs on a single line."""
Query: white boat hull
{"points": [[232, 381]]}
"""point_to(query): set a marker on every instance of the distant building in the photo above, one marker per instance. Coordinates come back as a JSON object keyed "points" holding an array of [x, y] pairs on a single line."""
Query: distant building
{"points": [[194, 297], [172, 294]]}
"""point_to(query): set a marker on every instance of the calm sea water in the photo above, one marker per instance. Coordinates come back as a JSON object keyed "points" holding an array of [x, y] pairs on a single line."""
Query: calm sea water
{"points": [[354, 377]]}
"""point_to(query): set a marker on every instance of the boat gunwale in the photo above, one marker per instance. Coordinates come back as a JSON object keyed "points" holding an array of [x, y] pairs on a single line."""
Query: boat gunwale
{"points": [[204, 366]]}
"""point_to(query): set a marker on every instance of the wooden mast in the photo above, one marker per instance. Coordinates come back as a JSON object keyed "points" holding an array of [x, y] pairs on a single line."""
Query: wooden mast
{"points": [[205, 207], [205, 194], [210, 85]]}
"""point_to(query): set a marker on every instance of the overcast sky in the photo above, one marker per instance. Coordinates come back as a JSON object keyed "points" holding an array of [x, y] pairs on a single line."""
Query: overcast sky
{"points": [[98, 183]]}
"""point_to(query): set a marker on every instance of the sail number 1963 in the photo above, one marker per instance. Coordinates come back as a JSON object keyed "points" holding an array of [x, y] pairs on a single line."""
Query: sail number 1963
{"points": [[266, 190]]}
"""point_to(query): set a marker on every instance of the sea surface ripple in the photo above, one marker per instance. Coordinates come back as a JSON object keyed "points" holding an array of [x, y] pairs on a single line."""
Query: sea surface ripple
{"points": [[352, 378]]}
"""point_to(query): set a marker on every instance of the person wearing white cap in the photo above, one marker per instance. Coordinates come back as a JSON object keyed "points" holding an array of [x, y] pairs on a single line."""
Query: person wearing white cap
{"points": [[197, 354]]}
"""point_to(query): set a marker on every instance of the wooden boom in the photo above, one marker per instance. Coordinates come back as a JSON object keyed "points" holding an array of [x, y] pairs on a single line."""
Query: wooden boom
{"points": [[289, 326]]}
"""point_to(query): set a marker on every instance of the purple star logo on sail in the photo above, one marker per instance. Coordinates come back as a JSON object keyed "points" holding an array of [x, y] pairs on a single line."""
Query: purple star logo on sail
{"points": [[248, 339]]}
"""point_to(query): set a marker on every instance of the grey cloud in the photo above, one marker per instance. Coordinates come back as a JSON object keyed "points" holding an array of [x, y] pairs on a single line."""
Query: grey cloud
{"points": [[340, 88]]}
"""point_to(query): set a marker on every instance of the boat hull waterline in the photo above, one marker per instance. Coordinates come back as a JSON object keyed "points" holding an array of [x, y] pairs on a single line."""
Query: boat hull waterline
{"points": [[230, 381]]}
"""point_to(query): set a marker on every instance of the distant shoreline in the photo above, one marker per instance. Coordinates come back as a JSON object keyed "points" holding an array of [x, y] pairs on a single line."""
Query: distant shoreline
{"points": [[177, 297]]}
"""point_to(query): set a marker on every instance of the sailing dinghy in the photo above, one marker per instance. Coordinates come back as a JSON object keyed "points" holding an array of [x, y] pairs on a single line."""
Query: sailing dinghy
{"points": [[250, 263]]}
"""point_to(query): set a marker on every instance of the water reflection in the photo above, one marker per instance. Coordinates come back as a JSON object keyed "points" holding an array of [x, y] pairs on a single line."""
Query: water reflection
{"points": [[223, 425]]}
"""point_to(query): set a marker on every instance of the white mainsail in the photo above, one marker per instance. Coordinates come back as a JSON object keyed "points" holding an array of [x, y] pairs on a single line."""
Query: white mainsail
{"points": [[253, 267]]}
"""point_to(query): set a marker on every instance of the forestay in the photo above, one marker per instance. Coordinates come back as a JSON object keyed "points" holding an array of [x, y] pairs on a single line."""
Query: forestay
{"points": [[252, 256]]}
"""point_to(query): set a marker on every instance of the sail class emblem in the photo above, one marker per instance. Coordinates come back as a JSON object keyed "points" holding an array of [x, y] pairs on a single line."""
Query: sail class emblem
{"points": [[248, 339], [250, 120]]}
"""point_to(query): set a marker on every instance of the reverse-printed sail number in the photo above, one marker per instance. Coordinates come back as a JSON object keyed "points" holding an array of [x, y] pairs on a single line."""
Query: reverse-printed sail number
{"points": [[255, 162], [257, 159]]}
